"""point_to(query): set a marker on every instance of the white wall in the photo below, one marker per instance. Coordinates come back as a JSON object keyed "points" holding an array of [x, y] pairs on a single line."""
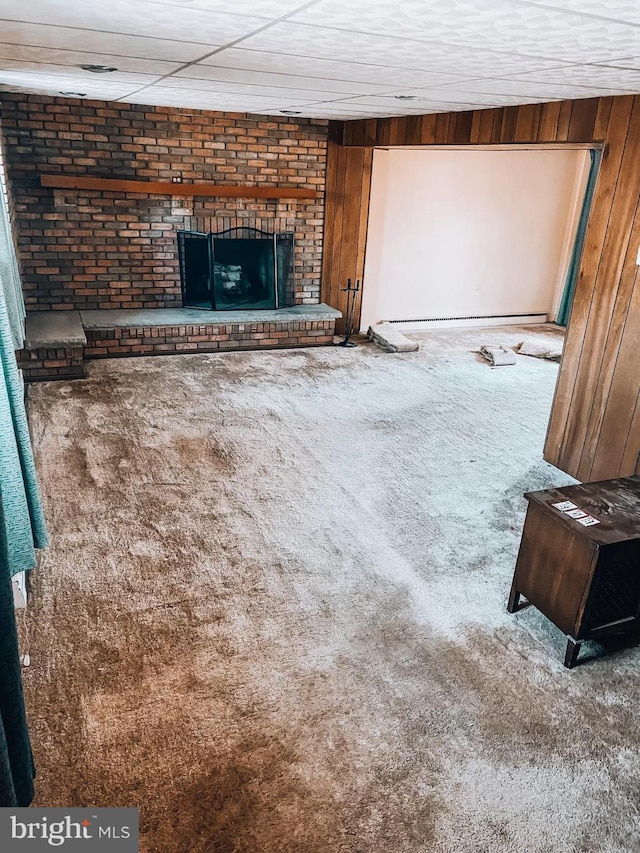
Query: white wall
{"points": [[459, 233]]}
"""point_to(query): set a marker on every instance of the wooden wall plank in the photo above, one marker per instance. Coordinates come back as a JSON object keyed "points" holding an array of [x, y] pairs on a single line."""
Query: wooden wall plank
{"points": [[564, 120], [486, 126], [401, 130], [413, 130], [354, 167], [609, 384], [338, 245], [428, 134], [462, 132], [527, 121], [595, 302], [602, 119], [363, 214], [616, 396], [336, 132], [369, 135], [335, 199], [349, 171], [442, 128], [383, 132], [360, 132], [475, 126], [583, 119], [548, 126], [594, 429], [496, 130], [396, 131], [631, 454], [508, 129], [585, 285]]}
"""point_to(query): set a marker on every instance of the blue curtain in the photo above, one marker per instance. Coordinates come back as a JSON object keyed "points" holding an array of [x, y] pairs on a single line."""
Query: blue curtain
{"points": [[9, 273], [16, 761], [22, 530], [574, 264]]}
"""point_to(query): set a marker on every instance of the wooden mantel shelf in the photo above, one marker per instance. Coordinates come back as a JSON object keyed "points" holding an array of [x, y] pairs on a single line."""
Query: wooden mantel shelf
{"points": [[167, 188]]}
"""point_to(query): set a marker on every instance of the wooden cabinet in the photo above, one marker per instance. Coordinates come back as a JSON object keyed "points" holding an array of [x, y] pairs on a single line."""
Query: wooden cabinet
{"points": [[579, 559]]}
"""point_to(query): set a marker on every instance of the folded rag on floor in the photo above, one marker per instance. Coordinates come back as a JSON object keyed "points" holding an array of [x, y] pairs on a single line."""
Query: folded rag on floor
{"points": [[390, 339], [542, 348], [498, 356]]}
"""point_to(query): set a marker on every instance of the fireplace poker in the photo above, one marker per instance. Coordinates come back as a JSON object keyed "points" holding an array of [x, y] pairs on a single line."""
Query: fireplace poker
{"points": [[352, 295]]}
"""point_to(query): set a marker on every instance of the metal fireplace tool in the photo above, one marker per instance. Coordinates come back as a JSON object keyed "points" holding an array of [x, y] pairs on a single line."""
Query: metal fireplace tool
{"points": [[352, 295]]}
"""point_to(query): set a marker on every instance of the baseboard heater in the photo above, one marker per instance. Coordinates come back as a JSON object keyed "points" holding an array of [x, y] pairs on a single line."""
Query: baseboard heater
{"points": [[475, 320]]}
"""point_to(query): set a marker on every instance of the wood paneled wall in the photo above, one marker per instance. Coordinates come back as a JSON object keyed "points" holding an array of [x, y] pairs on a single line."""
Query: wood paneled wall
{"points": [[594, 430], [348, 186]]}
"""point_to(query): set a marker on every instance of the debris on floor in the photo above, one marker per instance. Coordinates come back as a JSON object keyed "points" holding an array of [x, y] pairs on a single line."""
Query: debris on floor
{"points": [[542, 348], [390, 339], [498, 356]]}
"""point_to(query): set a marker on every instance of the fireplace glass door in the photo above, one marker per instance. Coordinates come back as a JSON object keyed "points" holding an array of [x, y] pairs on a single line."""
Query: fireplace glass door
{"points": [[236, 269], [244, 273], [194, 251]]}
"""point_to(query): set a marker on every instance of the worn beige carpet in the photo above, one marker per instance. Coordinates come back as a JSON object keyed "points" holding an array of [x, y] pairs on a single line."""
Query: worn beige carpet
{"points": [[273, 611]]}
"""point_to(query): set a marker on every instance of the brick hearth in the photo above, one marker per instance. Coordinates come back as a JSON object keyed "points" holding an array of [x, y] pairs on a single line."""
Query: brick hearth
{"points": [[55, 347]]}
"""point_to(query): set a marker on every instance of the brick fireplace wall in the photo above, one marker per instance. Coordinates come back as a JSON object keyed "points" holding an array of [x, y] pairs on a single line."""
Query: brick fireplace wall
{"points": [[84, 249]]}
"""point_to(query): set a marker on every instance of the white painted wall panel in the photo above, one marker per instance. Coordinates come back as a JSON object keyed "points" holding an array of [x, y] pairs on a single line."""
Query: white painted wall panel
{"points": [[460, 233]]}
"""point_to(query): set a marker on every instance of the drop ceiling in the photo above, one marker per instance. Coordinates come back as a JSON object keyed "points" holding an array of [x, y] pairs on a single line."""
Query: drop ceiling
{"points": [[343, 59]]}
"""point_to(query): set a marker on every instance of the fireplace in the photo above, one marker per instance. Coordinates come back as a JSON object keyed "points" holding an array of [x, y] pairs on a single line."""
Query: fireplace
{"points": [[236, 269]]}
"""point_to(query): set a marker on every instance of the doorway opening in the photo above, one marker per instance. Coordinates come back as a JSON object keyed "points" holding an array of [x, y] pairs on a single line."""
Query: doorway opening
{"points": [[475, 235]]}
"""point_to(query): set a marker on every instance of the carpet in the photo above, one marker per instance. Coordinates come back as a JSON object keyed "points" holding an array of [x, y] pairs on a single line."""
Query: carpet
{"points": [[272, 614]]}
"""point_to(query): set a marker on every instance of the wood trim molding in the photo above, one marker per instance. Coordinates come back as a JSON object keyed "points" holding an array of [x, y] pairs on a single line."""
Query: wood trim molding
{"points": [[167, 188]]}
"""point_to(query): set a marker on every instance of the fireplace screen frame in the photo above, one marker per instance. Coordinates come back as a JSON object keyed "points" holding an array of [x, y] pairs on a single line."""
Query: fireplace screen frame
{"points": [[283, 245]]}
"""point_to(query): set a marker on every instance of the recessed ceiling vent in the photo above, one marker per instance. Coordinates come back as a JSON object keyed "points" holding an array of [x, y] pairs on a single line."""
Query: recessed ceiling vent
{"points": [[98, 69]]}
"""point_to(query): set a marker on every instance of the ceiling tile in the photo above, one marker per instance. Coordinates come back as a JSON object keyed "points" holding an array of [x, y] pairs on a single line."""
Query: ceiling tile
{"points": [[202, 101], [176, 94], [494, 25], [421, 105], [328, 111], [347, 107], [342, 69], [10, 53], [57, 83], [283, 81], [268, 9], [326, 43], [189, 84], [133, 17], [627, 62], [627, 11], [61, 38], [72, 72], [523, 88], [461, 95], [338, 57], [589, 76]]}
